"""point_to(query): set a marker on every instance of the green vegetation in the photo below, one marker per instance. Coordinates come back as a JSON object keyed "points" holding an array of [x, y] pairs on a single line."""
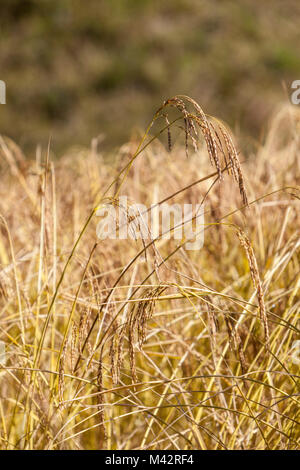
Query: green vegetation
{"points": [[79, 69]]}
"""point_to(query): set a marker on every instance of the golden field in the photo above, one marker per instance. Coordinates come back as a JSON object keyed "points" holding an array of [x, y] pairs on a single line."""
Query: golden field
{"points": [[134, 344]]}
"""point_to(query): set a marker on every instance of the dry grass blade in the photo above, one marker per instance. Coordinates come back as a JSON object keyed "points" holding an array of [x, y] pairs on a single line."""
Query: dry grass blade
{"points": [[146, 344], [244, 240]]}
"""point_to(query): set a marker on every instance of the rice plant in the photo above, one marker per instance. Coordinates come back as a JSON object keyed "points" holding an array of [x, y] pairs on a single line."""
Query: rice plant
{"points": [[141, 343]]}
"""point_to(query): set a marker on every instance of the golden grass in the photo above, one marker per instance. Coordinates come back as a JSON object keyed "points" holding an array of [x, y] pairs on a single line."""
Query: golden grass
{"points": [[120, 344]]}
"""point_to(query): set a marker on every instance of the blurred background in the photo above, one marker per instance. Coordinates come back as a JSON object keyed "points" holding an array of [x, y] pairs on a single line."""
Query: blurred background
{"points": [[78, 69]]}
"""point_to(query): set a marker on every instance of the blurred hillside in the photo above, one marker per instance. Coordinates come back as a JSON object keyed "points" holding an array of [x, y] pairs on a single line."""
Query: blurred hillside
{"points": [[78, 69]]}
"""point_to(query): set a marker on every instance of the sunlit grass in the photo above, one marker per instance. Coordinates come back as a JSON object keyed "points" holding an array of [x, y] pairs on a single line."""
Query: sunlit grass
{"points": [[121, 344]]}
